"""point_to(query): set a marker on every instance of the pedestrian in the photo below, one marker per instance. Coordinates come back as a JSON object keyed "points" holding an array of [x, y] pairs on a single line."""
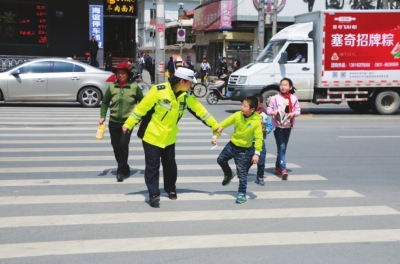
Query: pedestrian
{"points": [[189, 63], [171, 66], [283, 108], [222, 68], [93, 48], [134, 68], [159, 112], [121, 96], [247, 126], [108, 63], [148, 62], [72, 57], [205, 68], [142, 63], [236, 65], [153, 72], [266, 125]]}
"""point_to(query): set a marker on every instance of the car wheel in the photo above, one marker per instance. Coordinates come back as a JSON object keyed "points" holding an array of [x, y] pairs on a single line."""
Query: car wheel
{"points": [[361, 107], [268, 95], [387, 102], [89, 97], [1, 96]]}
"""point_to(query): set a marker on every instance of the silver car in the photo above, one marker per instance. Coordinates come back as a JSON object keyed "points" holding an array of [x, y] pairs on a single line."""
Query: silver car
{"points": [[54, 80]]}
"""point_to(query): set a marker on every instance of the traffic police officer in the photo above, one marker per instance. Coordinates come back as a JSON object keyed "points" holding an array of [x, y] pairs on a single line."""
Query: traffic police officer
{"points": [[159, 113]]}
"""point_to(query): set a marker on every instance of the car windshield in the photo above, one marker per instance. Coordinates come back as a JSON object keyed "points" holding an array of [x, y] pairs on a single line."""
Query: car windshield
{"points": [[270, 52]]}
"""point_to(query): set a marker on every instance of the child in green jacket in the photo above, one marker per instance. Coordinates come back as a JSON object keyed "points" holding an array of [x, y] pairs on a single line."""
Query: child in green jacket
{"points": [[247, 126]]}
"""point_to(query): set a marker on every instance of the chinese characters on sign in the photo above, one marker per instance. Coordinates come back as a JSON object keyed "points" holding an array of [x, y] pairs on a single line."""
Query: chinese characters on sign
{"points": [[362, 40], [96, 23], [217, 15], [357, 47], [26, 25], [120, 7]]}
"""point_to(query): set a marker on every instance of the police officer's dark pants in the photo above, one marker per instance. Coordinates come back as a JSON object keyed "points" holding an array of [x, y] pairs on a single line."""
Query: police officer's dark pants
{"points": [[153, 154], [120, 144]]}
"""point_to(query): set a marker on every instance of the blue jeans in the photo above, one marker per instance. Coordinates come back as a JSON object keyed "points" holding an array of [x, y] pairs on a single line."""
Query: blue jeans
{"points": [[241, 158], [261, 160], [282, 139]]}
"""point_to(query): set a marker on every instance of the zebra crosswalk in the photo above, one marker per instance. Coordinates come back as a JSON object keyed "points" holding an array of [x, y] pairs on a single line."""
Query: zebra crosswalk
{"points": [[59, 200]]}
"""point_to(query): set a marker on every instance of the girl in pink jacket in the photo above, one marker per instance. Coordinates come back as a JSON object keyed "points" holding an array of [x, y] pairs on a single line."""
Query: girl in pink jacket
{"points": [[283, 108]]}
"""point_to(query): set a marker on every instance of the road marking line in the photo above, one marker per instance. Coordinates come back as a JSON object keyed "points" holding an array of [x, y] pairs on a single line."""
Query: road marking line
{"points": [[369, 137], [32, 127], [95, 141], [93, 134], [52, 248], [77, 158], [209, 215], [76, 122], [112, 168], [100, 149], [139, 180], [109, 198]]}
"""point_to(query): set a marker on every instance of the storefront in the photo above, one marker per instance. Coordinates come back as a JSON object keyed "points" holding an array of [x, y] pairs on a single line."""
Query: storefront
{"points": [[60, 28]]}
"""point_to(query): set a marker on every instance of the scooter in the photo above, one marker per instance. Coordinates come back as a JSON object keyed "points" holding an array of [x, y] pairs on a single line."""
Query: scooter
{"points": [[215, 90]]}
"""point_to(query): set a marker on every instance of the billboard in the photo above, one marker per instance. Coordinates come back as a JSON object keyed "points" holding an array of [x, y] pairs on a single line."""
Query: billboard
{"points": [[217, 15], [358, 46]]}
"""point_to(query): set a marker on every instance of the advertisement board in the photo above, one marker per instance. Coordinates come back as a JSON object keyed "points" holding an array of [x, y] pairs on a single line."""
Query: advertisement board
{"points": [[96, 23], [362, 45], [217, 15]]}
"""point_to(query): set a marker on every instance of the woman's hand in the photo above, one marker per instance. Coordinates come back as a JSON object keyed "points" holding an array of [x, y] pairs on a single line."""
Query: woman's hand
{"points": [[101, 121], [274, 113]]}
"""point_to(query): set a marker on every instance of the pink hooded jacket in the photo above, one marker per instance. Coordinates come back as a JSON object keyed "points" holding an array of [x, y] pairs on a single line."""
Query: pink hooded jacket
{"points": [[278, 101]]}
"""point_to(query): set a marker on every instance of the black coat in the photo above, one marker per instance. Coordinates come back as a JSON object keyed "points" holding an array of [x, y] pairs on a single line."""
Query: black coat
{"points": [[93, 46]]}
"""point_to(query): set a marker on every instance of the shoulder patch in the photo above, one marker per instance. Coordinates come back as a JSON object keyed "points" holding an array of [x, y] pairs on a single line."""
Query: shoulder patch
{"points": [[160, 87]]}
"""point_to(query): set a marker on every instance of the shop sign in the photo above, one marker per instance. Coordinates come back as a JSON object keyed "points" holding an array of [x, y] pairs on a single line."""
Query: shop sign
{"points": [[120, 8], [217, 15], [96, 23]]}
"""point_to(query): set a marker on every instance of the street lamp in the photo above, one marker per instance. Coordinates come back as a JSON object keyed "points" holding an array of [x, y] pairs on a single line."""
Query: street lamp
{"points": [[181, 14]]}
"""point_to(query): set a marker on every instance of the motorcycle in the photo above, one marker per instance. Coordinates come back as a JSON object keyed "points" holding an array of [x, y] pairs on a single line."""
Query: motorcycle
{"points": [[215, 90]]}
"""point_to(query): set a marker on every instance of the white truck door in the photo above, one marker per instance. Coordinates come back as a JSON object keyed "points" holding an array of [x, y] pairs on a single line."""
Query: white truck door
{"points": [[300, 69]]}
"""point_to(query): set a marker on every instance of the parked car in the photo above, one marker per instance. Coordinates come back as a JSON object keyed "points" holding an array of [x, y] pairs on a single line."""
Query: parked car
{"points": [[54, 80]]}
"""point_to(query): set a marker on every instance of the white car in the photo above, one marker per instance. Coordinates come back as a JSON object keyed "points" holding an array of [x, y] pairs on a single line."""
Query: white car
{"points": [[54, 80]]}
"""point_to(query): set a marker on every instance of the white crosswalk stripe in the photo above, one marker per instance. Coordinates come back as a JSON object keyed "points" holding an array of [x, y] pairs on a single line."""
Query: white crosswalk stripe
{"points": [[44, 180]]}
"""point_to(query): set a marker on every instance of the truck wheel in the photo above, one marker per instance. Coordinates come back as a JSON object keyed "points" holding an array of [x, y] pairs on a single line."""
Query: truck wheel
{"points": [[268, 95], [212, 98], [89, 97], [387, 102], [361, 107]]}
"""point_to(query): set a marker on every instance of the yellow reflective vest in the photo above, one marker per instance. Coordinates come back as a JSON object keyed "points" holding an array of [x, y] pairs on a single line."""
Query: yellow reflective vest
{"points": [[160, 111]]}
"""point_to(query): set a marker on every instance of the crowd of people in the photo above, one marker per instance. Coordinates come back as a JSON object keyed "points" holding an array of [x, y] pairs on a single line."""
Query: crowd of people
{"points": [[158, 114]]}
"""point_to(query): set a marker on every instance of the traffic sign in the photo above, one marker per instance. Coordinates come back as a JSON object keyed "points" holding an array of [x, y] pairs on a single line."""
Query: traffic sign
{"points": [[181, 34]]}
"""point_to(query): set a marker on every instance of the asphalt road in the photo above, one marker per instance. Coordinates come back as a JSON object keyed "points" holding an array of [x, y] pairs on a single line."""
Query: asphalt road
{"points": [[60, 202]]}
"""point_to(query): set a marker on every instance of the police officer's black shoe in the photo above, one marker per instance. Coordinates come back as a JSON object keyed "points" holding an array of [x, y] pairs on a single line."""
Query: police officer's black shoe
{"points": [[154, 199], [172, 196], [120, 177]]}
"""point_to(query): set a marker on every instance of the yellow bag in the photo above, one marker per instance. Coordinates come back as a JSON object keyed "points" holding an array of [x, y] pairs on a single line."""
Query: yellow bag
{"points": [[167, 74]]}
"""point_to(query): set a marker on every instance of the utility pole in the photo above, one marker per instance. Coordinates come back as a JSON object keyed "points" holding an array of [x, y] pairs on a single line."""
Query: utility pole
{"points": [[275, 21], [160, 43], [261, 25]]}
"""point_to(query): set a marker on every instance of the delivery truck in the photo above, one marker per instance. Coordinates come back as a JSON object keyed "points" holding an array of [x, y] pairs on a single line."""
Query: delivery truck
{"points": [[331, 57]]}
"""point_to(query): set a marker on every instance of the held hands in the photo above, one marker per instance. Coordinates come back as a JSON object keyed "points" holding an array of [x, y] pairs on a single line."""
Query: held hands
{"points": [[255, 159]]}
